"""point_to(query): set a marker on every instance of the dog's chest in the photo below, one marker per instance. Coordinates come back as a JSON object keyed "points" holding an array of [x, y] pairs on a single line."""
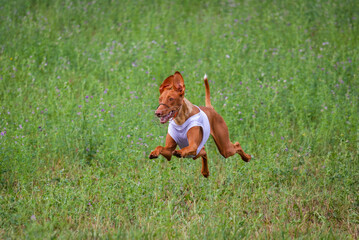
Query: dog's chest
{"points": [[179, 132]]}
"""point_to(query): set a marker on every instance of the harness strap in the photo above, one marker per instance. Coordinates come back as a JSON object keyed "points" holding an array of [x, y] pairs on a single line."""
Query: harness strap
{"points": [[163, 105]]}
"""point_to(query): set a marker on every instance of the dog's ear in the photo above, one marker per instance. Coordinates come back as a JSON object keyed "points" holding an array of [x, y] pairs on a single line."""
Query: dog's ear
{"points": [[166, 83], [178, 83]]}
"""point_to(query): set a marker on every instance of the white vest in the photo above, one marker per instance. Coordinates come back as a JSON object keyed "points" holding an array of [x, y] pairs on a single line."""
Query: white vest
{"points": [[179, 132]]}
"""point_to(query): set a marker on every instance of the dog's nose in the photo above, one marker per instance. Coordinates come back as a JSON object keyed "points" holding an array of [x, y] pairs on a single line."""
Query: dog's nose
{"points": [[158, 113]]}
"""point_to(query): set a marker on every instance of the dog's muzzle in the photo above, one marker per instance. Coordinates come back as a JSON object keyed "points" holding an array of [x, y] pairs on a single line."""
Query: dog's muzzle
{"points": [[165, 118]]}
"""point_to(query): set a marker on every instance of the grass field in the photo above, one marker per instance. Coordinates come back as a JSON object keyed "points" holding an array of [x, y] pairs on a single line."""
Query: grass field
{"points": [[78, 89]]}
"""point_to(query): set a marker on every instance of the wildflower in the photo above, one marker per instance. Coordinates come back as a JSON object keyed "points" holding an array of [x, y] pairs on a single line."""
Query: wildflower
{"points": [[227, 56], [3, 133], [33, 218]]}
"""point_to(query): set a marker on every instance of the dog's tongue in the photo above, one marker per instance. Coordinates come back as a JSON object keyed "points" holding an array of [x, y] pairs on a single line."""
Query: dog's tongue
{"points": [[164, 119]]}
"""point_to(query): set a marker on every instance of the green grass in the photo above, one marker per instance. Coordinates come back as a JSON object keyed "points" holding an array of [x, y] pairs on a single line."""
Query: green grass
{"points": [[79, 86]]}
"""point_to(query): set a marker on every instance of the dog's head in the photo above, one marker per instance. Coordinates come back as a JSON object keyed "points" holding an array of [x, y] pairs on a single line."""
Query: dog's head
{"points": [[171, 97]]}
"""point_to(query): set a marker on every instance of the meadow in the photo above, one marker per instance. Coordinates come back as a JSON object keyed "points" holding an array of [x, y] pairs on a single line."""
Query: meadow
{"points": [[78, 89]]}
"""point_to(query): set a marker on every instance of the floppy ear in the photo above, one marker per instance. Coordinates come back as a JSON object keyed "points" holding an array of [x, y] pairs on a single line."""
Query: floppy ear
{"points": [[166, 83], [178, 83]]}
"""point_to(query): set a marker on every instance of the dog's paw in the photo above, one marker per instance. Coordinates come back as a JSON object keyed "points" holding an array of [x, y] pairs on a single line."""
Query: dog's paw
{"points": [[205, 174], [153, 155], [177, 153]]}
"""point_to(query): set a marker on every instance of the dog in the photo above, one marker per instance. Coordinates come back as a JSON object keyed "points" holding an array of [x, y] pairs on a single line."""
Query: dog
{"points": [[190, 126]]}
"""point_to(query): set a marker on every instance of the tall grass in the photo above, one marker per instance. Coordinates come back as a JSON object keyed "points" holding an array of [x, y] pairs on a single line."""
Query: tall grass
{"points": [[79, 85]]}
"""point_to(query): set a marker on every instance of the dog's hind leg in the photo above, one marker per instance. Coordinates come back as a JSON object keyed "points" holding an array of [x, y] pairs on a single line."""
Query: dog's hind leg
{"points": [[219, 132], [203, 155]]}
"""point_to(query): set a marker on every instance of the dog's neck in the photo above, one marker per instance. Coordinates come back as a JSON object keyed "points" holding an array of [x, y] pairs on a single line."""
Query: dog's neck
{"points": [[186, 111]]}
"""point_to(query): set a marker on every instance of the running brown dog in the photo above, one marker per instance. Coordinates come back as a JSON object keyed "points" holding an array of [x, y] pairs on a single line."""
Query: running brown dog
{"points": [[190, 125]]}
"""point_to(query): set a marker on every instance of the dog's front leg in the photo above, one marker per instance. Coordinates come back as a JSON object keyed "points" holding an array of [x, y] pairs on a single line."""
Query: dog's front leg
{"points": [[194, 136], [165, 151]]}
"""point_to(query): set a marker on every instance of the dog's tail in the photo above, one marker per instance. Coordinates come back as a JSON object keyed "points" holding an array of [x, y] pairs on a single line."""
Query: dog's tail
{"points": [[208, 95]]}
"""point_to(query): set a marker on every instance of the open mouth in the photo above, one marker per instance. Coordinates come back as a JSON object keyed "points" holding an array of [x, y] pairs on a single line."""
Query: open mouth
{"points": [[165, 118]]}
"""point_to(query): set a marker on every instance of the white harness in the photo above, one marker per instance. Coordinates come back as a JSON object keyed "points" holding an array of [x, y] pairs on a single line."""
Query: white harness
{"points": [[179, 132]]}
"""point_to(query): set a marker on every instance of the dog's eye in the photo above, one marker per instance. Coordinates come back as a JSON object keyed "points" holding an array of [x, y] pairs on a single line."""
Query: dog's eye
{"points": [[171, 99]]}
